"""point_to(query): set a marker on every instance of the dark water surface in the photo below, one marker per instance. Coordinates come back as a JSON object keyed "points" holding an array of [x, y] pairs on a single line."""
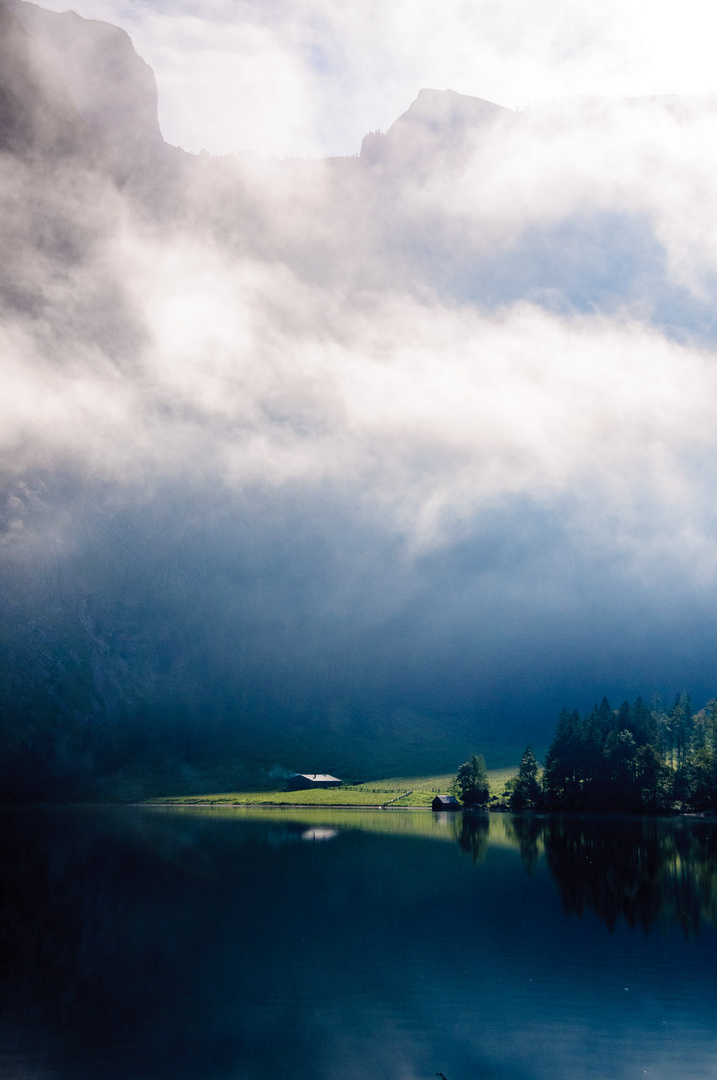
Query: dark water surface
{"points": [[228, 944]]}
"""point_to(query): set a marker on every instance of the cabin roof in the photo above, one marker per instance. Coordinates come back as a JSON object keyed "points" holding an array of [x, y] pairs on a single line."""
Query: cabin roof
{"points": [[321, 777], [446, 798]]}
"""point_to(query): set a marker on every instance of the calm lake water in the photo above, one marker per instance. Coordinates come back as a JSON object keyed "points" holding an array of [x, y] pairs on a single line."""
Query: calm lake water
{"points": [[246, 945]]}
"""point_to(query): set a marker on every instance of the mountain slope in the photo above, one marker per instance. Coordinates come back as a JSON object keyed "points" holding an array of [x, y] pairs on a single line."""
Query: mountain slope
{"points": [[111, 87], [36, 111]]}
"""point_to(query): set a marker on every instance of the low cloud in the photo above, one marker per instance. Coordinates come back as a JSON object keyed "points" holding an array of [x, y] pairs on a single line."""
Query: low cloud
{"points": [[313, 77], [292, 352], [428, 433]]}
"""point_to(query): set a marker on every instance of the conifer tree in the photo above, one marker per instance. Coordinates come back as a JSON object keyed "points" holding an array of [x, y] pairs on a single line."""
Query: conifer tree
{"points": [[526, 790]]}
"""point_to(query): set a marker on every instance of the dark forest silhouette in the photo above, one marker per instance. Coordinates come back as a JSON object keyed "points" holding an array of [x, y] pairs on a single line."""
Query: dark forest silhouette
{"points": [[633, 759]]}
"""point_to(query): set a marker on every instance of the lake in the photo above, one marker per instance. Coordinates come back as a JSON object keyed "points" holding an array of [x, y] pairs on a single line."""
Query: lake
{"points": [[239, 944]]}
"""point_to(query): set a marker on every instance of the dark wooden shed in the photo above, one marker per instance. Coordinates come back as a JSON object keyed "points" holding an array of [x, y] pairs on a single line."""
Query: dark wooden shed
{"points": [[301, 781], [445, 802]]}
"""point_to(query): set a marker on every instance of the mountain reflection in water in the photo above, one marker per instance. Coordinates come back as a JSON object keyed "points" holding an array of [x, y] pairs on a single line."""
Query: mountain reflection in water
{"points": [[154, 944]]}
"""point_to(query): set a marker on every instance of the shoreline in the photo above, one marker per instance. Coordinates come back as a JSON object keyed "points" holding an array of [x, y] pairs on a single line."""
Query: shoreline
{"points": [[287, 806], [703, 815]]}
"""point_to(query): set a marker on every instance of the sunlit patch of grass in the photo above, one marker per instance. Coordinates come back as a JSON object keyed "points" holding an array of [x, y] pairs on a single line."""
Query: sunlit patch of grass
{"points": [[342, 796], [498, 778], [398, 791]]}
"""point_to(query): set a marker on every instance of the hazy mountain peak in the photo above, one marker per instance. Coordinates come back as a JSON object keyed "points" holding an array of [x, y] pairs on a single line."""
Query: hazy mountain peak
{"points": [[112, 88], [436, 121], [438, 109]]}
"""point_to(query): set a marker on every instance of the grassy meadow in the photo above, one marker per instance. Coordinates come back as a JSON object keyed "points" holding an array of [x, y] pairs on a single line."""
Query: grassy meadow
{"points": [[397, 791]]}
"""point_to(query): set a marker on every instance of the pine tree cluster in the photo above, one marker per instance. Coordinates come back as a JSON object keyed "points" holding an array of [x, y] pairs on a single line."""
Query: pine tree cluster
{"points": [[633, 759]]}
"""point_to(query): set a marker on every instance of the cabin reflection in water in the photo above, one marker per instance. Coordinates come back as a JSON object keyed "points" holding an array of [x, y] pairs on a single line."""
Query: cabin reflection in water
{"points": [[319, 834]]}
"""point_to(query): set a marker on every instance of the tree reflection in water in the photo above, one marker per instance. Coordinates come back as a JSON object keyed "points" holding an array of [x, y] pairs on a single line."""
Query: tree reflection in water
{"points": [[526, 832], [472, 836], [645, 870]]}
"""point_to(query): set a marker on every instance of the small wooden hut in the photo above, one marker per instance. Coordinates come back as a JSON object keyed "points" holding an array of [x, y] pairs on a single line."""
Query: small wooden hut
{"points": [[445, 802], [301, 781]]}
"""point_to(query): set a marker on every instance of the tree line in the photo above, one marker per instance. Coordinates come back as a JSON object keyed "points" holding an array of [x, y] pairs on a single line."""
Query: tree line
{"points": [[637, 759]]}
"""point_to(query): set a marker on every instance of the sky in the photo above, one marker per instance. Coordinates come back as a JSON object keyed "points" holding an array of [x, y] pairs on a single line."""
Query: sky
{"points": [[312, 77], [395, 455]]}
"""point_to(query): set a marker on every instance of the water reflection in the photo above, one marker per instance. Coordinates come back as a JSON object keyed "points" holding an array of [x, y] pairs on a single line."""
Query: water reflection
{"points": [[231, 946], [319, 833], [472, 835], [526, 833], [644, 870]]}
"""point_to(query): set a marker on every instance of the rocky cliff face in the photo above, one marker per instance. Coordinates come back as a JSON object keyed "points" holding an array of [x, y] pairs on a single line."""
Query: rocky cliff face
{"points": [[110, 86], [36, 111]]}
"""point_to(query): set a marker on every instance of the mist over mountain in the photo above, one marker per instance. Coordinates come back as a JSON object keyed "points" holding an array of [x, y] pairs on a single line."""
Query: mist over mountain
{"points": [[352, 465], [111, 87]]}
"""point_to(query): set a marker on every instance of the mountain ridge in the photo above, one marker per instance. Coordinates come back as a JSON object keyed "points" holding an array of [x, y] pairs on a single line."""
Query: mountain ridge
{"points": [[113, 89]]}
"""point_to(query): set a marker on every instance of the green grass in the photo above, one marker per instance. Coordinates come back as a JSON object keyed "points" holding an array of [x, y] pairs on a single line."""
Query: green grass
{"points": [[401, 791], [498, 778], [346, 796]]}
